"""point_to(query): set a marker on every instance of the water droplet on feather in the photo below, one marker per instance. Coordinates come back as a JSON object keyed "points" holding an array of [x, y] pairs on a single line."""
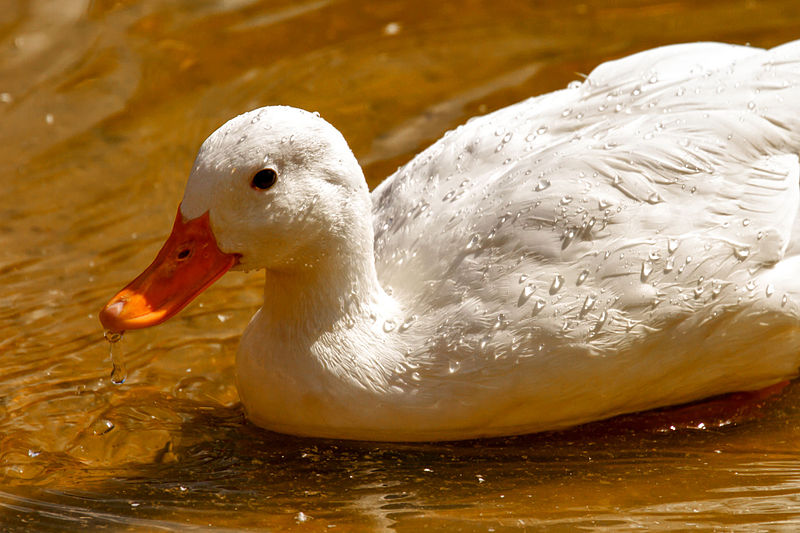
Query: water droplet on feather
{"points": [[558, 282]]}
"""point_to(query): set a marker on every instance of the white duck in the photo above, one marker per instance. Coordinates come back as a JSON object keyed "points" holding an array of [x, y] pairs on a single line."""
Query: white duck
{"points": [[627, 243]]}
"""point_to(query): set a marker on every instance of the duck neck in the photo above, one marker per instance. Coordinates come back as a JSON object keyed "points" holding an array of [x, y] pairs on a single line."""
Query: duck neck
{"points": [[334, 292], [336, 289]]}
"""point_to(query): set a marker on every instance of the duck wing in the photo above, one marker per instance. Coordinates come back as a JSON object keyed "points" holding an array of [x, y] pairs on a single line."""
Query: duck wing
{"points": [[665, 183]]}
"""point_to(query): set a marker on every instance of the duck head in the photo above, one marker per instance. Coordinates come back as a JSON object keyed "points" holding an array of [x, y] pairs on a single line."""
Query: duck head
{"points": [[267, 190]]}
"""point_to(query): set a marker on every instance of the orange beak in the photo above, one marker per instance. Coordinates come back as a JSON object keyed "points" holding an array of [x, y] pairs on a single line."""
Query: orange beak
{"points": [[188, 263]]}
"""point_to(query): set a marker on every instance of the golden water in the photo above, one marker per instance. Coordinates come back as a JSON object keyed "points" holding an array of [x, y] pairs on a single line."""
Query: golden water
{"points": [[102, 107]]}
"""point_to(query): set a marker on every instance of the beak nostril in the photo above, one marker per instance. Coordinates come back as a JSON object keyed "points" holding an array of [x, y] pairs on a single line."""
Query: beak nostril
{"points": [[183, 254]]}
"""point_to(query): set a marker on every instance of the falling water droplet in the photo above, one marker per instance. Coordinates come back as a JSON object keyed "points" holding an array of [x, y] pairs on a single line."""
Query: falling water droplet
{"points": [[522, 278], [669, 265], [473, 242], [389, 325], [647, 269], [582, 277], [537, 307], [769, 290], [118, 371], [698, 291], [558, 282], [784, 300], [454, 366]]}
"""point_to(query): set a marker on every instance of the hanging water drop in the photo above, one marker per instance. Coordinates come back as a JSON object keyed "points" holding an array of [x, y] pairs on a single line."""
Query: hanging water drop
{"points": [[769, 290], [119, 373], [582, 277]]}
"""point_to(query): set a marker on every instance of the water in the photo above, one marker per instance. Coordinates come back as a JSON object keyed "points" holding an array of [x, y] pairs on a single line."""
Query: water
{"points": [[103, 107], [119, 372]]}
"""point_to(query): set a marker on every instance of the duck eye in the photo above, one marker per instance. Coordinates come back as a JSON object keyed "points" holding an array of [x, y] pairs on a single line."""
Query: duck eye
{"points": [[264, 179]]}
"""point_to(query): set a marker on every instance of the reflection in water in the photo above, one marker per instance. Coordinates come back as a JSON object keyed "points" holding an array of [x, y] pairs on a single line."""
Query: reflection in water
{"points": [[103, 106]]}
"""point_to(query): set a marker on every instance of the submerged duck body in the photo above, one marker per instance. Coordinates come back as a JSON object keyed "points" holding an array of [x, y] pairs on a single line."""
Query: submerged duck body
{"points": [[627, 243]]}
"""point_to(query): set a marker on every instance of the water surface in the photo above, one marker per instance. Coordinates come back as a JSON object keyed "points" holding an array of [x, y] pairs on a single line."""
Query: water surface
{"points": [[103, 105]]}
